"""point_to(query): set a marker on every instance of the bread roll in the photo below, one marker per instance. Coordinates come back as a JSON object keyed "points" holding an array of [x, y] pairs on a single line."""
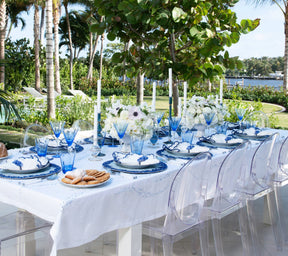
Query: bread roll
{"points": [[3, 150]]}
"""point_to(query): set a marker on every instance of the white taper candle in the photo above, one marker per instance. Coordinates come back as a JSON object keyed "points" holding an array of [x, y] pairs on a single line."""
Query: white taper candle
{"points": [[99, 95], [221, 91], [185, 97], [170, 82], [95, 135], [154, 97]]}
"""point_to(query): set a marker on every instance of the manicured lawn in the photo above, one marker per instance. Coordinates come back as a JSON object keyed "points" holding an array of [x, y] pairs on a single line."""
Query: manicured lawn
{"points": [[162, 105]]}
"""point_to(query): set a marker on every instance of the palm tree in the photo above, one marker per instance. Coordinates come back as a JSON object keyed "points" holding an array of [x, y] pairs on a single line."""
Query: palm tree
{"points": [[65, 3], [36, 46], [49, 61], [283, 5], [56, 19], [2, 41]]}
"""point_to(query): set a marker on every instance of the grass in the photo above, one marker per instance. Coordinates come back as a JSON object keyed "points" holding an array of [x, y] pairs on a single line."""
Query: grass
{"points": [[282, 118]]}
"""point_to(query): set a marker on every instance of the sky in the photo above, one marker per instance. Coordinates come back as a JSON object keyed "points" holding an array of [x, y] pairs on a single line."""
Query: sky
{"points": [[266, 40]]}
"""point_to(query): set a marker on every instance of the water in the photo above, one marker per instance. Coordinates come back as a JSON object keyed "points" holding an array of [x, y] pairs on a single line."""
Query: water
{"points": [[254, 82]]}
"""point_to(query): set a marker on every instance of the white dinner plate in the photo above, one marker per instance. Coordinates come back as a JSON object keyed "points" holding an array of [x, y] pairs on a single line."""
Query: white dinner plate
{"points": [[4, 157]]}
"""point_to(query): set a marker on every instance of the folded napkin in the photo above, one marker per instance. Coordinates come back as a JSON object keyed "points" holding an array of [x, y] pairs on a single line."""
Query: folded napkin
{"points": [[221, 138], [185, 147], [25, 163], [134, 159], [265, 132], [76, 173]]}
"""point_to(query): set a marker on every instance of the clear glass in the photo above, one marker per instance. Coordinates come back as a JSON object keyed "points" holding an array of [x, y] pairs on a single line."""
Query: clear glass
{"points": [[41, 146], [136, 144]]}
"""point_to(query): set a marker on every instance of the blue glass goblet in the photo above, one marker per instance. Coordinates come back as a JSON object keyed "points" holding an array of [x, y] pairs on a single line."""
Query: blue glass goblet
{"points": [[174, 123], [57, 128], [240, 112], [101, 142], [208, 118], [69, 135], [154, 137], [120, 127]]}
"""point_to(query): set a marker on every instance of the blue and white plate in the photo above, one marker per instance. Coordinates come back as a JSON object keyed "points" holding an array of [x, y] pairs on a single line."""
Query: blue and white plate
{"points": [[113, 166], [184, 149], [166, 154], [252, 134], [134, 161], [50, 170], [60, 149], [25, 164]]}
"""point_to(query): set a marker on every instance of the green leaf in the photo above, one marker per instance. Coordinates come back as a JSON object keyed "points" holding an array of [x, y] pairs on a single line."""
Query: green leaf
{"points": [[194, 31], [178, 14], [117, 57], [111, 36]]}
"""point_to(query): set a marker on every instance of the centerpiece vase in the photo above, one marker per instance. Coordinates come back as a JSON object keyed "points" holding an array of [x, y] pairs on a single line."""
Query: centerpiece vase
{"points": [[200, 130]]}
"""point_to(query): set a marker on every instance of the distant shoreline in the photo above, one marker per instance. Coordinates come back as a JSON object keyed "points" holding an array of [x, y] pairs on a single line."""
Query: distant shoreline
{"points": [[253, 77]]}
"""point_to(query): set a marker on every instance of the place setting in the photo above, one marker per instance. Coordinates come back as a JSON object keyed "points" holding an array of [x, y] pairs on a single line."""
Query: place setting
{"points": [[28, 167], [252, 133]]}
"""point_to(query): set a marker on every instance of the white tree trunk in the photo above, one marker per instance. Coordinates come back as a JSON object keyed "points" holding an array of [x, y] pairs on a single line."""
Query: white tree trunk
{"points": [[49, 62], [56, 18], [36, 47], [42, 25]]}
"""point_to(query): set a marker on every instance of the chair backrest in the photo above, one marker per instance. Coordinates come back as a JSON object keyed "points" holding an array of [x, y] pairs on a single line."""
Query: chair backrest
{"points": [[80, 93], [187, 194], [34, 92], [283, 157], [258, 119], [264, 163], [32, 132], [85, 129], [233, 172]]}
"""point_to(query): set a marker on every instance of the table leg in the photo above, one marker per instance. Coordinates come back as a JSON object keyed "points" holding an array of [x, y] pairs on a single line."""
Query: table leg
{"points": [[130, 241]]}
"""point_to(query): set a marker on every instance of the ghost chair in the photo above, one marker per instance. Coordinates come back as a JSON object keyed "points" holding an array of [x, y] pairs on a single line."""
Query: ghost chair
{"points": [[185, 204], [259, 185], [258, 119], [228, 201], [34, 131]]}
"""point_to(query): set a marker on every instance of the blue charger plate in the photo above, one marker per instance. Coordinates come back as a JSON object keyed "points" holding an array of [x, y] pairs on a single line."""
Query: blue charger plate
{"points": [[112, 166], [60, 149], [50, 170]]}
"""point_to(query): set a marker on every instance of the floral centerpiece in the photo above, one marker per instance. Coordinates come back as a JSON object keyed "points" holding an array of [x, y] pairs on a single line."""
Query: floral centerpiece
{"points": [[139, 119], [197, 106]]}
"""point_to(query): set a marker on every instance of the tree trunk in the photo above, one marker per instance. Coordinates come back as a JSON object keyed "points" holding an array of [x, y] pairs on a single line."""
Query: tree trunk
{"points": [[70, 47], [56, 18], [101, 56], [285, 76], [140, 88], [126, 47], [49, 62], [37, 47], [42, 24], [2, 42]]}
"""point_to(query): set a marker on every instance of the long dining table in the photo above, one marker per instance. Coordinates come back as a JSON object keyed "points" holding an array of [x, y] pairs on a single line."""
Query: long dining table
{"points": [[81, 215]]}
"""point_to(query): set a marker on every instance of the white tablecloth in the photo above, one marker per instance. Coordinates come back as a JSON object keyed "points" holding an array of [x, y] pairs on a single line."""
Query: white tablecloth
{"points": [[81, 215]]}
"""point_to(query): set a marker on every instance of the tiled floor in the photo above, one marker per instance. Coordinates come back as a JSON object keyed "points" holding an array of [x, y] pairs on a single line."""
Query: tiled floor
{"points": [[106, 244]]}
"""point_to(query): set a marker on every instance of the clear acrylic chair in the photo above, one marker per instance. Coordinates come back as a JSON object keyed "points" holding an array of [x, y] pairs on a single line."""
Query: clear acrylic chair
{"points": [[32, 132], [228, 199], [22, 233], [260, 184], [85, 129], [258, 119], [186, 199]]}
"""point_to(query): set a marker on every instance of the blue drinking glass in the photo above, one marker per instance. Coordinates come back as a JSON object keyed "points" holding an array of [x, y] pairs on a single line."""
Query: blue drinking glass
{"points": [[154, 137], [240, 112], [69, 135], [174, 123], [121, 127], [57, 128], [208, 118]]}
